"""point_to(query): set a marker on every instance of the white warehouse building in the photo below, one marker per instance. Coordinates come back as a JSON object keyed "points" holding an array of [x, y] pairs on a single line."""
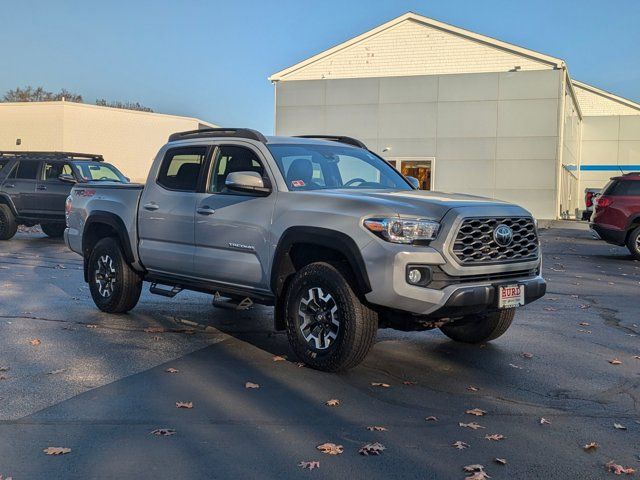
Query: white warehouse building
{"points": [[464, 112]]}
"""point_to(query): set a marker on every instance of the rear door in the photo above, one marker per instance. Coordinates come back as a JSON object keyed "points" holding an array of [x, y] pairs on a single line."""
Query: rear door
{"points": [[52, 192], [20, 185], [167, 210]]}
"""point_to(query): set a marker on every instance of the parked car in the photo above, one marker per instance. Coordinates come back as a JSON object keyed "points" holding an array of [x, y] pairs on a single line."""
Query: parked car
{"points": [[617, 216], [323, 229], [590, 195], [34, 187]]}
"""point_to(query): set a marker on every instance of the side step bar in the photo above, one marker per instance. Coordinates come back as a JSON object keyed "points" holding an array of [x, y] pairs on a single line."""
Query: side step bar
{"points": [[165, 292]]}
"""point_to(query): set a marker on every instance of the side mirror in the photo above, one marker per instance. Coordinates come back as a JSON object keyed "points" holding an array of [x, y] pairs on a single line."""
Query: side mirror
{"points": [[247, 182], [415, 182], [67, 178]]}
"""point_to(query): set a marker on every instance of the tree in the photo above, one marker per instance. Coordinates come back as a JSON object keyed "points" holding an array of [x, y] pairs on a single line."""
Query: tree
{"points": [[125, 105], [39, 94]]}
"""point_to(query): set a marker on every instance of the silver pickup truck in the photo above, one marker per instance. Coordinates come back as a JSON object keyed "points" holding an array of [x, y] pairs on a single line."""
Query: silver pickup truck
{"points": [[321, 228]]}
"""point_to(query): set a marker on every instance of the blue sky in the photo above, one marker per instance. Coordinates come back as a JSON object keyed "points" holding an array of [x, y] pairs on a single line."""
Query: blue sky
{"points": [[211, 59]]}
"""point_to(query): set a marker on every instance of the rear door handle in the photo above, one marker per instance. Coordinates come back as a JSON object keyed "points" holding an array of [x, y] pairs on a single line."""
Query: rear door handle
{"points": [[206, 211], [10, 185], [150, 206]]}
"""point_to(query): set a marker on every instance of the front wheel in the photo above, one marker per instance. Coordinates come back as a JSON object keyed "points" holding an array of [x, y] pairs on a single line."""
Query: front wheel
{"points": [[327, 325], [633, 243], [115, 287], [480, 328], [53, 230]]}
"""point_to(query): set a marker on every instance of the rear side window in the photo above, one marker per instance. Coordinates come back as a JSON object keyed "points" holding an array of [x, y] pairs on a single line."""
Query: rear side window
{"points": [[3, 163], [180, 169], [622, 188], [26, 170]]}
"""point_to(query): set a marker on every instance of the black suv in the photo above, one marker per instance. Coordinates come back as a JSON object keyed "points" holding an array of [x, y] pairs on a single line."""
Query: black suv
{"points": [[34, 187]]}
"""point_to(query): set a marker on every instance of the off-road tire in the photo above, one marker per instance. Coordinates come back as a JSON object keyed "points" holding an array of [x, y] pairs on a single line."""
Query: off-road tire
{"points": [[8, 225], [358, 323], [127, 286], [633, 243], [53, 230], [480, 328]]}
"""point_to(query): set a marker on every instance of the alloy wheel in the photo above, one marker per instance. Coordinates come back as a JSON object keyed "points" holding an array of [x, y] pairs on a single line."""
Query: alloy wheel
{"points": [[319, 321], [105, 276]]}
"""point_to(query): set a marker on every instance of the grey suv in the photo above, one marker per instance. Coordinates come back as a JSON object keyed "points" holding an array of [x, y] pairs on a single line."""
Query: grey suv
{"points": [[320, 227], [34, 187]]}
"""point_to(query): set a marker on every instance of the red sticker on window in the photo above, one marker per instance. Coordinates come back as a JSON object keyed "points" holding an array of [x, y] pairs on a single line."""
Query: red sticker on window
{"points": [[297, 183]]}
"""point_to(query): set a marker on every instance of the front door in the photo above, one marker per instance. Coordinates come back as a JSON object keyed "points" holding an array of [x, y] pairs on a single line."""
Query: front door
{"points": [[233, 229], [21, 187], [167, 210], [52, 192]]}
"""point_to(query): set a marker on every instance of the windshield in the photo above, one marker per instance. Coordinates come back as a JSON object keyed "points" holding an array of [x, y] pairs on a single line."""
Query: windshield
{"points": [[316, 167], [100, 172]]}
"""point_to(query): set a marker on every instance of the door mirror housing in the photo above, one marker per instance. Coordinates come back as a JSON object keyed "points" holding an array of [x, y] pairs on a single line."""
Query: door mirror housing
{"points": [[247, 182], [414, 182], [67, 178]]}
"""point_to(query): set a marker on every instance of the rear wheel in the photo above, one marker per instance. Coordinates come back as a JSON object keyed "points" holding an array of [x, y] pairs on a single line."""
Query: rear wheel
{"points": [[115, 287], [633, 243], [8, 225], [480, 328], [53, 230], [328, 327]]}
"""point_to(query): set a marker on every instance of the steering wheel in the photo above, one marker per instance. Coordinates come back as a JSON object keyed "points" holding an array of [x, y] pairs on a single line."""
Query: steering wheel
{"points": [[354, 180], [104, 178]]}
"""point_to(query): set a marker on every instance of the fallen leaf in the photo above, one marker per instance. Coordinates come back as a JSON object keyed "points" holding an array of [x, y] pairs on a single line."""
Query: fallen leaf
{"points": [[476, 411], [163, 432], [501, 461], [409, 383], [376, 428], [300, 364], [172, 370], [473, 468], [526, 355], [4, 369], [431, 419], [590, 446], [584, 324], [378, 384], [515, 366], [479, 475], [56, 450], [618, 469], [619, 426], [330, 448], [309, 465], [91, 325], [55, 372], [251, 385], [495, 437], [278, 358], [460, 445], [585, 306], [184, 404], [551, 309], [580, 330], [544, 421], [372, 449], [35, 342], [637, 357], [615, 361], [472, 425], [332, 403], [154, 330], [471, 388]]}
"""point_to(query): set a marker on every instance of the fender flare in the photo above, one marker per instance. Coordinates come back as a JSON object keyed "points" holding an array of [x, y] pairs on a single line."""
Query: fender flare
{"points": [[323, 237], [6, 200], [113, 221]]}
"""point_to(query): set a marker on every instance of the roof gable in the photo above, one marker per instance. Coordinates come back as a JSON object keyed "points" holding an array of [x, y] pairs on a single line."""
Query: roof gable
{"points": [[595, 101], [416, 45]]}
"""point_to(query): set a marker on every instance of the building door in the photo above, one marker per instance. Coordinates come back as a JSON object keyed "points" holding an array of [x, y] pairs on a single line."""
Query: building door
{"points": [[420, 168]]}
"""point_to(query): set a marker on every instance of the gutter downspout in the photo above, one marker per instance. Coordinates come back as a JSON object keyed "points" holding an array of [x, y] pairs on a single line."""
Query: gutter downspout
{"points": [[559, 152]]}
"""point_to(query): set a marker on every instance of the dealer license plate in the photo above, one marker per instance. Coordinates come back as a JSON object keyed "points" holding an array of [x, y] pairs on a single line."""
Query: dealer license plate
{"points": [[510, 296]]}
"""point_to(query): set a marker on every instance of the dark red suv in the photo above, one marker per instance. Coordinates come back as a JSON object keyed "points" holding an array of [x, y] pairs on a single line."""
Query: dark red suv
{"points": [[617, 215]]}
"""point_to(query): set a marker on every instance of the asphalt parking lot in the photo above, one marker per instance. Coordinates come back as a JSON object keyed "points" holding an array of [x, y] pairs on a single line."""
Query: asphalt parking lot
{"points": [[97, 384]]}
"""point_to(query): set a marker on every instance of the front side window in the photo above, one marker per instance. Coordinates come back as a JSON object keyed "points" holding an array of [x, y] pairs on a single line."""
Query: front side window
{"points": [[180, 169], [52, 170], [229, 159], [314, 167], [99, 172], [25, 170]]}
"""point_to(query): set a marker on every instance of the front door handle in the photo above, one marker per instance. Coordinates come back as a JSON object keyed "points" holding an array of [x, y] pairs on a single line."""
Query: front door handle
{"points": [[150, 206], [10, 185], [41, 187], [206, 211]]}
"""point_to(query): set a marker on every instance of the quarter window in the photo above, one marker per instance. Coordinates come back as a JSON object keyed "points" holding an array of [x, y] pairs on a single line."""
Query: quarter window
{"points": [[181, 168], [229, 159], [25, 170]]}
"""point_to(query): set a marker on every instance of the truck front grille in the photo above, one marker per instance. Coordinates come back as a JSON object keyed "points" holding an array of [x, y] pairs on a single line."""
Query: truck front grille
{"points": [[475, 242]]}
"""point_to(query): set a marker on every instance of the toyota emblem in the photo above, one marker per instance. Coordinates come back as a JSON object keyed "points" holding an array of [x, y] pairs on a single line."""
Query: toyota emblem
{"points": [[503, 235]]}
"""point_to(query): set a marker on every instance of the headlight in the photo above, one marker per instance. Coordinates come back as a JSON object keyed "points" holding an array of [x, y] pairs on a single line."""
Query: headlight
{"points": [[403, 230]]}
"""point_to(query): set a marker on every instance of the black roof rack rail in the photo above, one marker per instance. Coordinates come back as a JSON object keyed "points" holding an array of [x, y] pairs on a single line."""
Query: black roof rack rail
{"points": [[337, 138], [219, 132], [27, 153]]}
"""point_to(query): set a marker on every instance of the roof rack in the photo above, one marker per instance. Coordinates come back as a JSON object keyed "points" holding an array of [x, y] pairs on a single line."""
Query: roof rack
{"points": [[635, 174], [337, 138], [219, 132], [25, 153]]}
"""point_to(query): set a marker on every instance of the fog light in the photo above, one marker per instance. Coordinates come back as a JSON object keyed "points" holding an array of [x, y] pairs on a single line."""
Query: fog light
{"points": [[414, 276]]}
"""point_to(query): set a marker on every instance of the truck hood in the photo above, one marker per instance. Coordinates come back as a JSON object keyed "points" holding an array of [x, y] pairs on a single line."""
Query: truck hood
{"points": [[420, 203]]}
